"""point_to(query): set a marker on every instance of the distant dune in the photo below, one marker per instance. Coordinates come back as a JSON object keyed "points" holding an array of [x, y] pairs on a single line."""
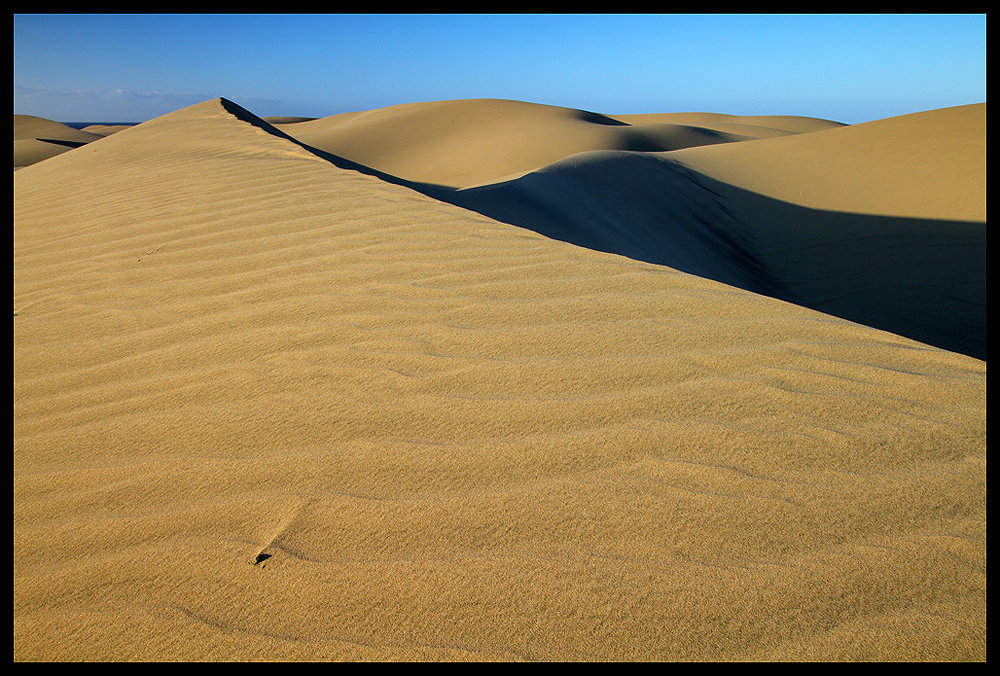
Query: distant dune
{"points": [[37, 139], [764, 216], [850, 221], [287, 119], [462, 143], [924, 165], [494, 381]]}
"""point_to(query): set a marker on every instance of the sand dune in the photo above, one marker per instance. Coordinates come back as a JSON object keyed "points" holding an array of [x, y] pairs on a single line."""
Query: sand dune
{"points": [[905, 251], [848, 220], [106, 129], [37, 139], [755, 126], [467, 142], [882, 222], [924, 165], [269, 408]]}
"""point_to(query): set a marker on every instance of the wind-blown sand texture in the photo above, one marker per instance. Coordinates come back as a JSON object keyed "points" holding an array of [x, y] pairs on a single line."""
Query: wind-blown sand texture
{"points": [[286, 393]]}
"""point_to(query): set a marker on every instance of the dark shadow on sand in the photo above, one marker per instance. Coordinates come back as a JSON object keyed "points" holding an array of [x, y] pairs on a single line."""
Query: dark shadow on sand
{"points": [[63, 142], [918, 278], [923, 279]]}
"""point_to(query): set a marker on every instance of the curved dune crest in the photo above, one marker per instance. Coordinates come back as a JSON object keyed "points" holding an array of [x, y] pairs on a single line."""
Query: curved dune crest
{"points": [[930, 164], [106, 129], [473, 141], [756, 126], [30, 126], [37, 139], [910, 258], [266, 408]]}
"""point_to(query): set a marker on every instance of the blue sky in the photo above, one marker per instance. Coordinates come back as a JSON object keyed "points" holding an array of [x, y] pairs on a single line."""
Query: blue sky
{"points": [[849, 68]]}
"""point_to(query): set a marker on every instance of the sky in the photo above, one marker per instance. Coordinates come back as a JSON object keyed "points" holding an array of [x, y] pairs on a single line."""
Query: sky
{"points": [[842, 67]]}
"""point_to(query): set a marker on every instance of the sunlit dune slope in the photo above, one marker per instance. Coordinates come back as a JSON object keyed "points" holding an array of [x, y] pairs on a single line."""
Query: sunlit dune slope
{"points": [[928, 165], [268, 408]]}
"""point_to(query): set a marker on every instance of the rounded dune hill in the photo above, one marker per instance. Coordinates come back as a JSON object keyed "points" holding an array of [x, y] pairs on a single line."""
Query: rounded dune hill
{"points": [[930, 164], [287, 119], [465, 142], [753, 126], [37, 139], [882, 222], [30, 126], [106, 129]]}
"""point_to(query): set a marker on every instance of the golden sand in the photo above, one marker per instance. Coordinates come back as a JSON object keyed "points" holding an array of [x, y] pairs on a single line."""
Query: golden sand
{"points": [[270, 408]]}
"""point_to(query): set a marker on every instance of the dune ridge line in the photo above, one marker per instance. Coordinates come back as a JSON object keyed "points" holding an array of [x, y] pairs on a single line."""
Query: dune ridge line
{"points": [[439, 435]]}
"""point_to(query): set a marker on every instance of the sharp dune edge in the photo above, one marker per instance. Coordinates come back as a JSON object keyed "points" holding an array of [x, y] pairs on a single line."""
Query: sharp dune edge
{"points": [[278, 399]]}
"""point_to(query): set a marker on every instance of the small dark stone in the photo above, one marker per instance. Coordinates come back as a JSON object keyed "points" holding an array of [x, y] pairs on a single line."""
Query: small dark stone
{"points": [[259, 558]]}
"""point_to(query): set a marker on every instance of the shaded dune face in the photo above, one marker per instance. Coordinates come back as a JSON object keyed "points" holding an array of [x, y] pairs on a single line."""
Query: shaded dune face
{"points": [[871, 269], [911, 193], [273, 404]]}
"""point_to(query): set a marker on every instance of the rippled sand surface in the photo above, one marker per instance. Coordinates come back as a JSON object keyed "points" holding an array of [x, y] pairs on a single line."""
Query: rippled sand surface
{"points": [[273, 401]]}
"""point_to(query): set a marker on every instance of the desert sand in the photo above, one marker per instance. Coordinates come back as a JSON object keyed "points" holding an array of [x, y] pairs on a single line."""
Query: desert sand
{"points": [[496, 381]]}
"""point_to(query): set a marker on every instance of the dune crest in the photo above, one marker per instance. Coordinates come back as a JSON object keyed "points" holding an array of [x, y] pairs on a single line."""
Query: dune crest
{"points": [[467, 142], [268, 408], [757, 215], [833, 217], [930, 164], [757, 126], [37, 139]]}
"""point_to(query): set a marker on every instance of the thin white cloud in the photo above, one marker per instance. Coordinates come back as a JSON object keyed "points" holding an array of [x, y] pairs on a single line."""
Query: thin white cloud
{"points": [[92, 105], [125, 105]]}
